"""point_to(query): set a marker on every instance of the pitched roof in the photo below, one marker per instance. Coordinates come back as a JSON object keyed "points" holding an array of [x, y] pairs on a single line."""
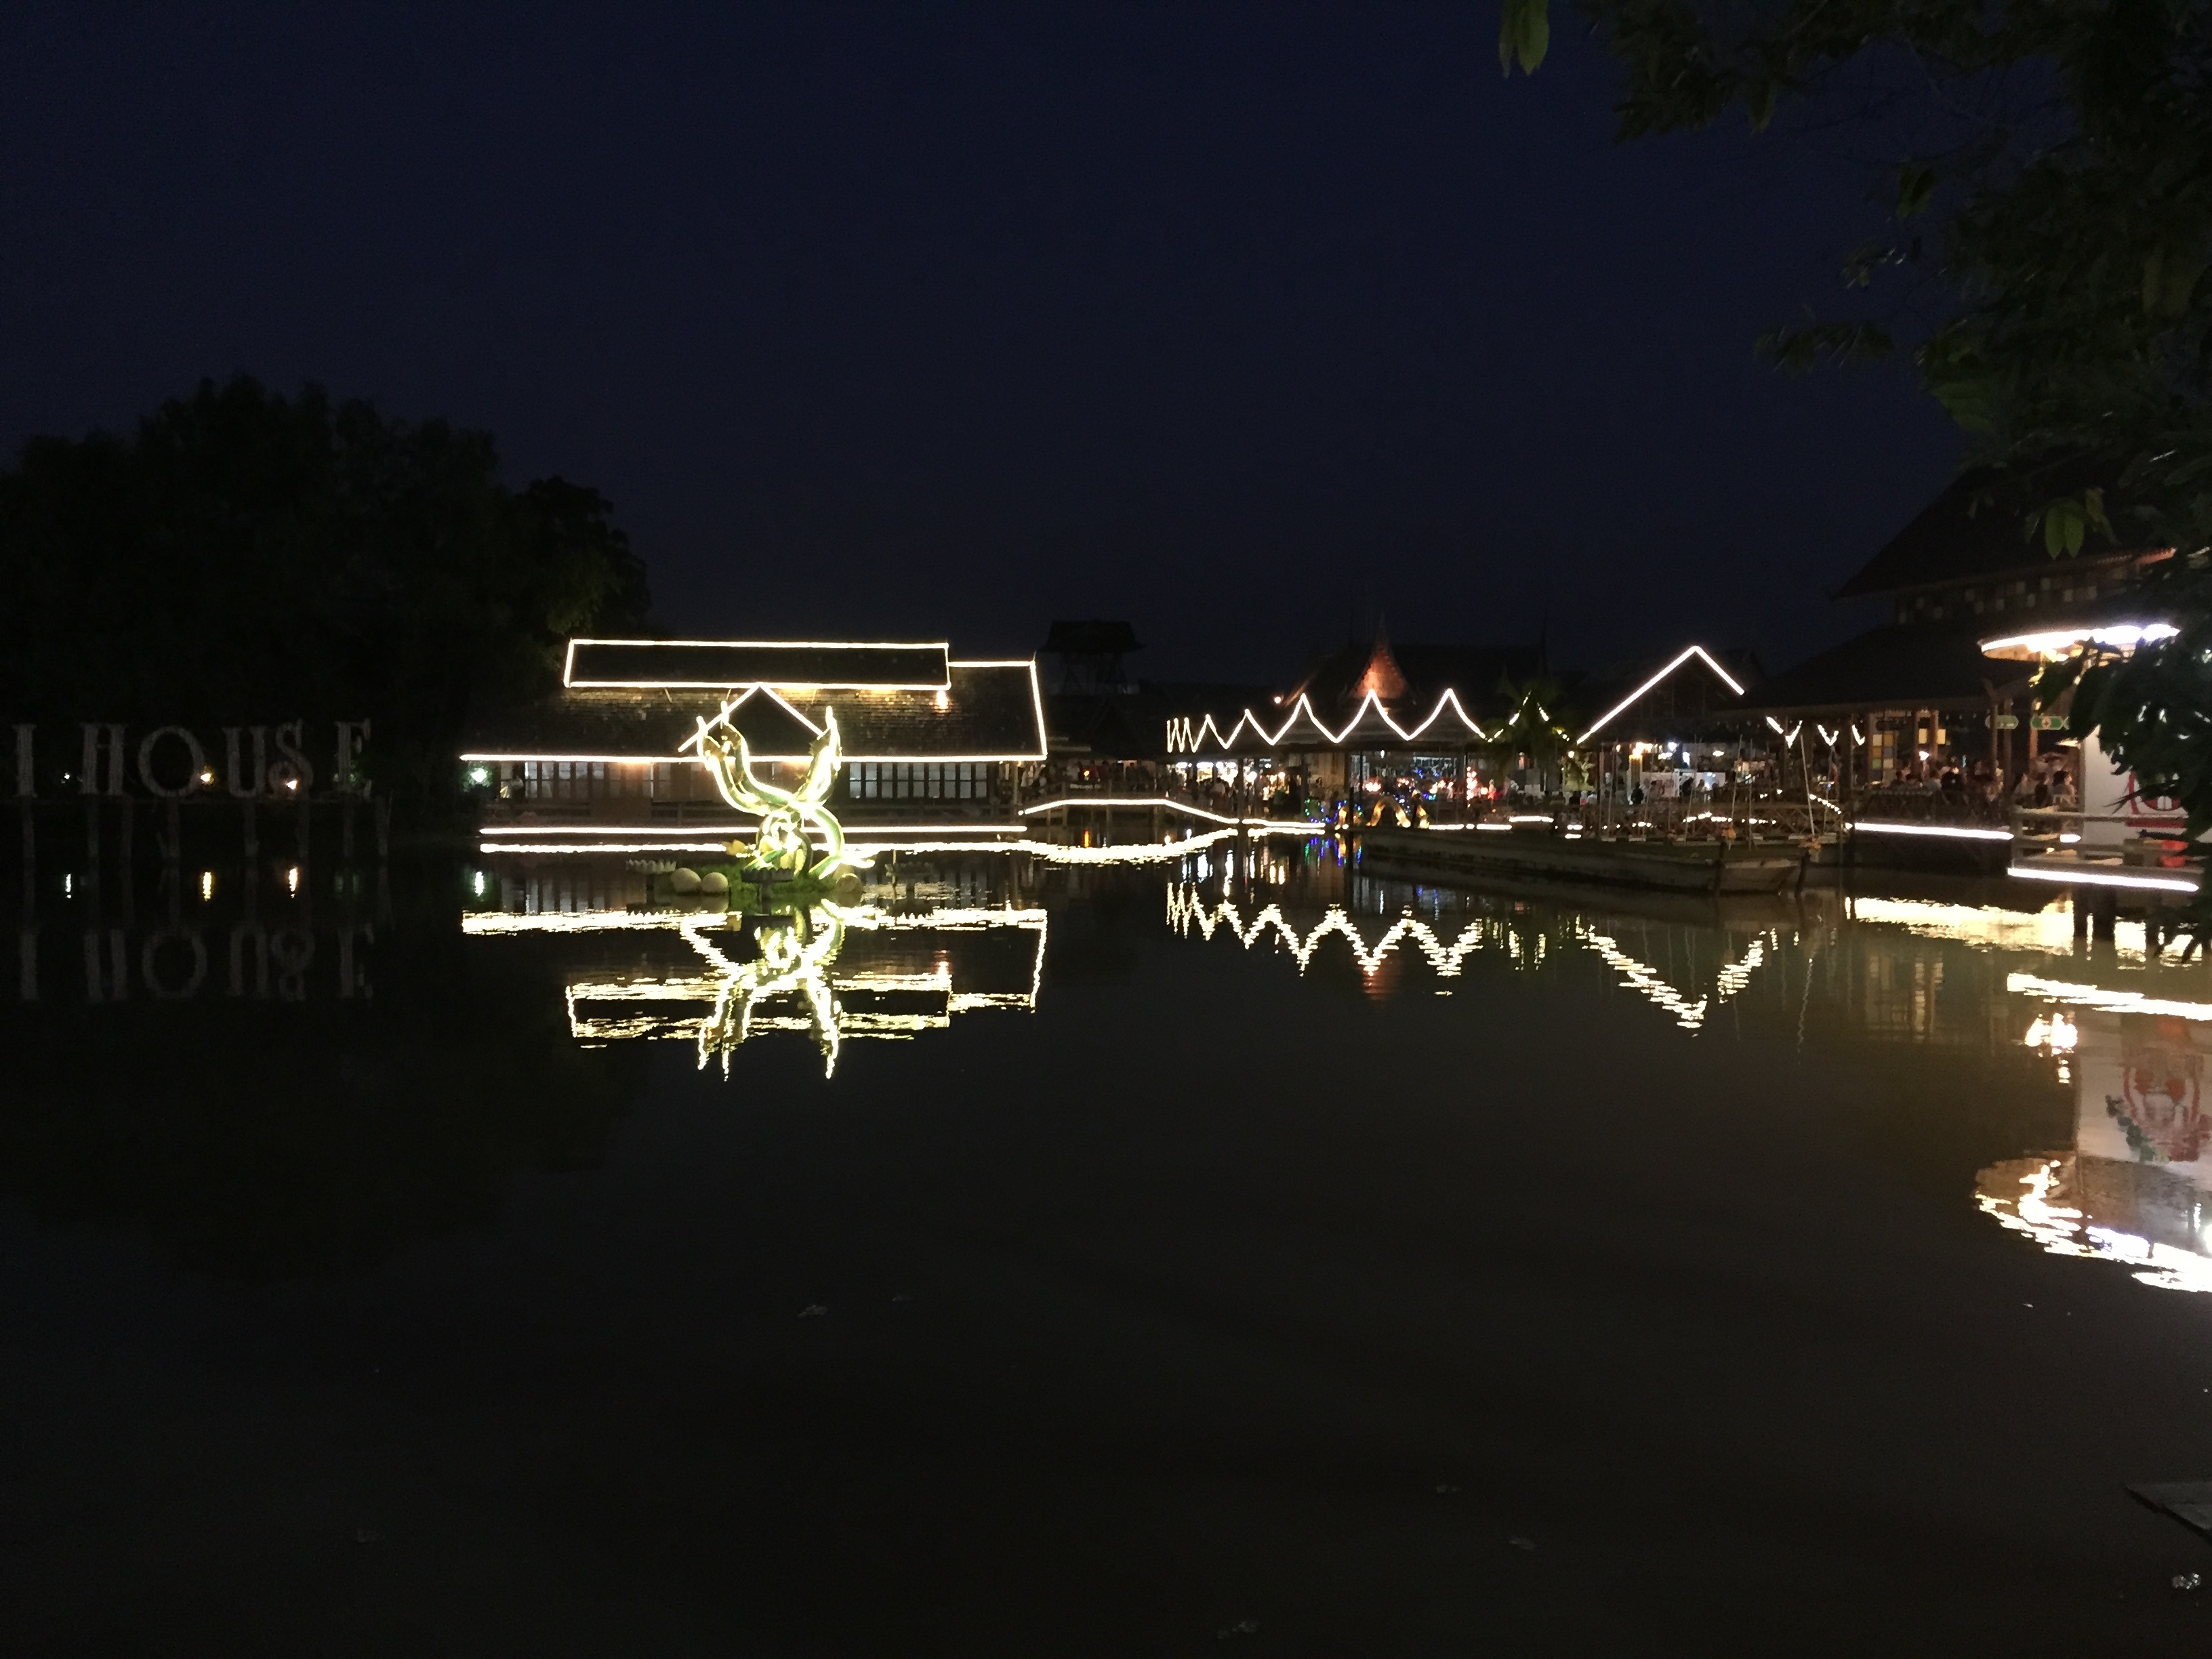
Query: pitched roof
{"points": [[1974, 529], [1337, 681], [1131, 725], [992, 711], [1657, 696], [1093, 638], [710, 665], [1897, 665]]}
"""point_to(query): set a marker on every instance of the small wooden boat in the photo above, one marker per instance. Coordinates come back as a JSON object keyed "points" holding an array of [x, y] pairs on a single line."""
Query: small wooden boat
{"points": [[1703, 867]]}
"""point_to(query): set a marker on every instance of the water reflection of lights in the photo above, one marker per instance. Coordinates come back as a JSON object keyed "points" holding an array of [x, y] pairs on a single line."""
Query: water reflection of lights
{"points": [[1187, 910], [948, 839], [2057, 1034], [2028, 1196], [1166, 851], [2050, 930], [2098, 996], [1524, 947], [1690, 1016], [804, 979]]}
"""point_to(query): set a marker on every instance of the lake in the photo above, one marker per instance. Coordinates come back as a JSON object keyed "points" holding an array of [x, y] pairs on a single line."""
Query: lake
{"points": [[1232, 1254]]}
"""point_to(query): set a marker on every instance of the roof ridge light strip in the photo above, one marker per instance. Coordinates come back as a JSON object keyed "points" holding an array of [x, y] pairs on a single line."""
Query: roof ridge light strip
{"points": [[1180, 726], [1688, 651], [568, 660]]}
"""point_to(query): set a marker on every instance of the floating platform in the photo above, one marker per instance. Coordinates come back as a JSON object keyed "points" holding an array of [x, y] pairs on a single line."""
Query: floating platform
{"points": [[1713, 867]]}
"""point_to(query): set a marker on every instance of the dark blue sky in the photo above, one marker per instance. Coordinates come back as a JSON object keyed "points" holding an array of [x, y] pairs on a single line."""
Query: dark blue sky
{"points": [[1238, 321]]}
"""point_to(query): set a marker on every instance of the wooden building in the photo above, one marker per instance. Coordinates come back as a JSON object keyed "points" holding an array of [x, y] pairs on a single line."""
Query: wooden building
{"points": [[928, 739], [1376, 714], [1433, 720], [1939, 686]]}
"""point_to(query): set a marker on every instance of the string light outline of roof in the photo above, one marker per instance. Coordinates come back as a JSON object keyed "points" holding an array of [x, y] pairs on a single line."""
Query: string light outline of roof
{"points": [[1184, 739], [569, 680], [1688, 651]]}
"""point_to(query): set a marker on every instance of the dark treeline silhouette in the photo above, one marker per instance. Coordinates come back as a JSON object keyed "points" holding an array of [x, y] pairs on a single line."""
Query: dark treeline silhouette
{"points": [[245, 557]]}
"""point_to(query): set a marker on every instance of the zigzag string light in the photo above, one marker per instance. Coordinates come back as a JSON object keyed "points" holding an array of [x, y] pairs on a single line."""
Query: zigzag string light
{"points": [[1727, 679], [1184, 739]]}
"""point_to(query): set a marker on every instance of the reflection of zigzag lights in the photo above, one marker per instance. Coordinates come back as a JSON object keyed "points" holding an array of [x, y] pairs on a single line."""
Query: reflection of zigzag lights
{"points": [[1185, 910], [1690, 1016]]}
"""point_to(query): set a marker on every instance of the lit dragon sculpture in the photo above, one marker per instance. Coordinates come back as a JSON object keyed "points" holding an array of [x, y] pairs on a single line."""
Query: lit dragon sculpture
{"points": [[781, 841]]}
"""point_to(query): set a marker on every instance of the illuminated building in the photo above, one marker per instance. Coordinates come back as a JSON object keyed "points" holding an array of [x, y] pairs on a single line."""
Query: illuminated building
{"points": [[1931, 689], [1453, 724], [1370, 714], [929, 740]]}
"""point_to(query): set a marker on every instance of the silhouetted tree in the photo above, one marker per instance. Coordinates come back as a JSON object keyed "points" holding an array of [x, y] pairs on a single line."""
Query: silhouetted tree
{"points": [[2055, 199], [245, 556]]}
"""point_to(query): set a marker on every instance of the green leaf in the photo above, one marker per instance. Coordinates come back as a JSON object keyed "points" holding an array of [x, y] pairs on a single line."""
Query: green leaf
{"points": [[1916, 188], [1524, 35], [2064, 525]]}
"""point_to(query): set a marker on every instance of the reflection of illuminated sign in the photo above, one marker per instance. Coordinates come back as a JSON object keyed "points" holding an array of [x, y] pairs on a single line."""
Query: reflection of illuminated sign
{"points": [[182, 962], [2137, 1185], [2158, 1105]]}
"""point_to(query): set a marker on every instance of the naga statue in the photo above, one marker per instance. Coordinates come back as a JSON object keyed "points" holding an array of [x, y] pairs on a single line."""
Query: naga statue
{"points": [[781, 845]]}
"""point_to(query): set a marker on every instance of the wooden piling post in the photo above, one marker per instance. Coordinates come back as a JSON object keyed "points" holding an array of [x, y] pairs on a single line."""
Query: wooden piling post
{"points": [[2106, 917]]}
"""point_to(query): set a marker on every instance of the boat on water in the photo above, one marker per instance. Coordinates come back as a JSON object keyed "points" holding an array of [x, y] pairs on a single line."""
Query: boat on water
{"points": [[1676, 867]]}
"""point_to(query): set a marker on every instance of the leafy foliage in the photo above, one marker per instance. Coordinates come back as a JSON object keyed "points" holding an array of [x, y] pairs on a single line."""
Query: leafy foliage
{"points": [[2066, 226], [245, 557], [1538, 729]]}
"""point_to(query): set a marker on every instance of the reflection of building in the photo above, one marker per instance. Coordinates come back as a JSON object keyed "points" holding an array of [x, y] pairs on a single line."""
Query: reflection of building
{"points": [[2136, 1186], [840, 975], [926, 736]]}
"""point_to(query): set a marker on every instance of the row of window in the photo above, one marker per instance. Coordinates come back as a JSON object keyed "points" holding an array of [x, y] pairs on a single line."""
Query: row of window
{"points": [[581, 781], [942, 781], [2018, 595], [611, 780]]}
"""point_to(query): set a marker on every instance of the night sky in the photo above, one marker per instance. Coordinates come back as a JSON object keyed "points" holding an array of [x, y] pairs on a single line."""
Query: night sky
{"points": [[1241, 322]]}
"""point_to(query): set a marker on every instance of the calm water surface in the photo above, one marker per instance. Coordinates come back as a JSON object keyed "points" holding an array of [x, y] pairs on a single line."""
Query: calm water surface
{"points": [[1212, 1258]]}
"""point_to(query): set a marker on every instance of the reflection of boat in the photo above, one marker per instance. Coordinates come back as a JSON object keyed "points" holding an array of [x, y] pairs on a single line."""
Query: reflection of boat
{"points": [[1717, 866], [1728, 912]]}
